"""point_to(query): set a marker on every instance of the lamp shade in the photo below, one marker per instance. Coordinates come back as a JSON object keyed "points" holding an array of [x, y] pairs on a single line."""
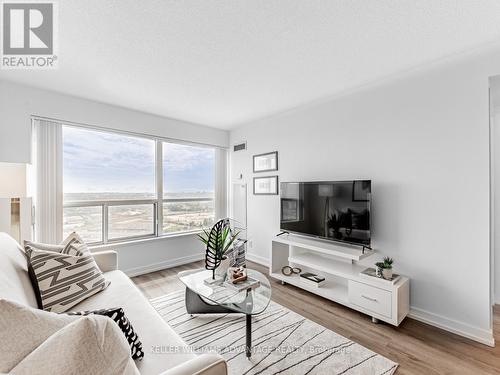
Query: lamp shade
{"points": [[12, 180], [325, 190], [15, 207]]}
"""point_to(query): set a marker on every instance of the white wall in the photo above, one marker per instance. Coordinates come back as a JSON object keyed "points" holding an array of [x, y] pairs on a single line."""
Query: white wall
{"points": [[18, 103], [143, 256], [423, 140]]}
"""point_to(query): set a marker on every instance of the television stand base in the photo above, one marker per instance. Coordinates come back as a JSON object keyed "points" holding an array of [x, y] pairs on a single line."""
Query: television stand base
{"points": [[344, 282]]}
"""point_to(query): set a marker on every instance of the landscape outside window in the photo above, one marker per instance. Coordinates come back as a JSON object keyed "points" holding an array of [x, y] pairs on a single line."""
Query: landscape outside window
{"points": [[109, 186], [188, 187]]}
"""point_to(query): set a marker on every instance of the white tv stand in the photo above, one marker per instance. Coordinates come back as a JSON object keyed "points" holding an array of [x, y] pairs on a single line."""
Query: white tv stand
{"points": [[380, 299]]}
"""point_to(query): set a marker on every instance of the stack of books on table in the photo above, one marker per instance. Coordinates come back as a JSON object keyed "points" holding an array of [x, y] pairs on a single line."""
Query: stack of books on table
{"points": [[249, 283], [312, 279]]}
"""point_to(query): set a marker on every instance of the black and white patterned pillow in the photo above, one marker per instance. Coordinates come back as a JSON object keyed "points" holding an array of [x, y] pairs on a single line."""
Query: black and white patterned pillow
{"points": [[61, 281], [74, 245], [71, 245], [118, 316]]}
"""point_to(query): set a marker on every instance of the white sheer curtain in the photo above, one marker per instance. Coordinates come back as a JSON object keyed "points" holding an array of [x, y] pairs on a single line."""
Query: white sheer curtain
{"points": [[47, 160], [221, 182]]}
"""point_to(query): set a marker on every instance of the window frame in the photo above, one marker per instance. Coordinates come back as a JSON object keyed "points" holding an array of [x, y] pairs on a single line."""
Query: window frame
{"points": [[157, 202]]}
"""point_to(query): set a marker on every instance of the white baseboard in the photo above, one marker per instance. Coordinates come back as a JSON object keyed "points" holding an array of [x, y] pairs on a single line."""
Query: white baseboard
{"points": [[136, 271], [459, 328], [257, 259]]}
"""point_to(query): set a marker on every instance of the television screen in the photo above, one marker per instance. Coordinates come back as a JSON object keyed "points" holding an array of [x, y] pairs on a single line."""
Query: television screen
{"points": [[337, 211]]}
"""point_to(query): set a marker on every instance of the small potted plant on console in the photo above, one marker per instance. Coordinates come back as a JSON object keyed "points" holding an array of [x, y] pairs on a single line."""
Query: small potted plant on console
{"points": [[384, 269], [387, 268], [378, 270]]}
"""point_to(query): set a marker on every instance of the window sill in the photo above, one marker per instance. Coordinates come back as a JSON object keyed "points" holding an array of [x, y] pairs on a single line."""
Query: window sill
{"points": [[111, 245]]}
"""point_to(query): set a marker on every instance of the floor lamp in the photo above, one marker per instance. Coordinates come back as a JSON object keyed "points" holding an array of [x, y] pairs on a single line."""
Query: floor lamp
{"points": [[327, 192], [15, 206]]}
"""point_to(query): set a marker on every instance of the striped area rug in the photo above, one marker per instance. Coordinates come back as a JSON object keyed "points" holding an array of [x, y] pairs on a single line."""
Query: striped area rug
{"points": [[283, 342]]}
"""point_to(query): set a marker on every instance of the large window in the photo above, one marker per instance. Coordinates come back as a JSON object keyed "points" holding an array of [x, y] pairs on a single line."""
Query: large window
{"points": [[113, 189], [188, 187]]}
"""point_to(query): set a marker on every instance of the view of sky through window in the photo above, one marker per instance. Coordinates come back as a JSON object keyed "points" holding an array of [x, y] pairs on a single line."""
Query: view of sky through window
{"points": [[188, 170], [97, 162]]}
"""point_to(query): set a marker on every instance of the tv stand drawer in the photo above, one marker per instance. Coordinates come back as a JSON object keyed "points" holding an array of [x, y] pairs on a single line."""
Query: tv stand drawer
{"points": [[370, 298]]}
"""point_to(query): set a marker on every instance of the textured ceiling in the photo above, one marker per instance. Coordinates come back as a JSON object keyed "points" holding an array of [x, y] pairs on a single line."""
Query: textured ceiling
{"points": [[226, 62]]}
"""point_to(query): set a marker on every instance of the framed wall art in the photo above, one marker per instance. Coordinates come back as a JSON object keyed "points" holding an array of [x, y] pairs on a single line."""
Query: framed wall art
{"points": [[265, 185], [265, 162]]}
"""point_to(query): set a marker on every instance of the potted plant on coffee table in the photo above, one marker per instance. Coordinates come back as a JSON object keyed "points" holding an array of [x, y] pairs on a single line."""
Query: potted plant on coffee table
{"points": [[218, 241]]}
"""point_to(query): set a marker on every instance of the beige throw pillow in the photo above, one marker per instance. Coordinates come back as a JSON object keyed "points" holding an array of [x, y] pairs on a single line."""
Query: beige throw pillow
{"points": [[41, 342], [71, 245], [91, 345], [23, 329]]}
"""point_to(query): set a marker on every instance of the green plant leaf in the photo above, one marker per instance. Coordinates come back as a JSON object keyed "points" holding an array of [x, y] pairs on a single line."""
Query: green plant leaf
{"points": [[231, 242]]}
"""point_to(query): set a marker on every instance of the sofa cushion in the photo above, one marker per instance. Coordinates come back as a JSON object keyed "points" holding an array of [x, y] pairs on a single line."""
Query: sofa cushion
{"points": [[163, 348], [64, 280], [15, 284], [89, 345]]}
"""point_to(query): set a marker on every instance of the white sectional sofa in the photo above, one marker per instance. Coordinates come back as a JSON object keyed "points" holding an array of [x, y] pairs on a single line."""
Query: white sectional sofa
{"points": [[165, 352]]}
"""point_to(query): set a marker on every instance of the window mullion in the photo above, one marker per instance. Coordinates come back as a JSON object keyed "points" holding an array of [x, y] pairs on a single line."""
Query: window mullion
{"points": [[159, 187], [105, 225]]}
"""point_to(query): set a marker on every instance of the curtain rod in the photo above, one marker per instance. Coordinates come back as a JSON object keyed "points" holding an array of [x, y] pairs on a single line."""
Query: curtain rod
{"points": [[125, 132]]}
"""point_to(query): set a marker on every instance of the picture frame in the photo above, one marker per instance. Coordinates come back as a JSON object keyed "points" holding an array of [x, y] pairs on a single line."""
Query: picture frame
{"points": [[265, 185], [359, 191], [266, 162]]}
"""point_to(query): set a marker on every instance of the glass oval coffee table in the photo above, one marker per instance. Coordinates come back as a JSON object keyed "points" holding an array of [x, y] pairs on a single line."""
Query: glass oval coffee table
{"points": [[202, 298]]}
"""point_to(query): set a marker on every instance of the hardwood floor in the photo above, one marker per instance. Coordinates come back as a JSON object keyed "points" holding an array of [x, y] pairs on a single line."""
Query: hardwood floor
{"points": [[417, 347]]}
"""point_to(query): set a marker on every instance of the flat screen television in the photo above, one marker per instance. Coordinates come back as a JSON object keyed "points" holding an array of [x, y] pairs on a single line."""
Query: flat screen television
{"points": [[333, 210]]}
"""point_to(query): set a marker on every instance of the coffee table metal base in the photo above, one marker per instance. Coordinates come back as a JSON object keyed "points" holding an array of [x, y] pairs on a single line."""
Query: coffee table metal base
{"points": [[196, 305]]}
